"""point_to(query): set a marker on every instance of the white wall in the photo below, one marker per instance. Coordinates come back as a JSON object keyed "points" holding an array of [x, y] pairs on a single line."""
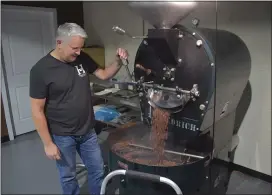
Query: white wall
{"points": [[251, 21]]}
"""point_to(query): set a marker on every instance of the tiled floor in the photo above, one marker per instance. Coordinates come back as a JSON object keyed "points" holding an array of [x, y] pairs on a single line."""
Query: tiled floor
{"points": [[26, 170]]}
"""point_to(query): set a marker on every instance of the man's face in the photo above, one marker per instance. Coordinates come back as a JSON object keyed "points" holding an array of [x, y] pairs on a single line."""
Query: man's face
{"points": [[70, 48]]}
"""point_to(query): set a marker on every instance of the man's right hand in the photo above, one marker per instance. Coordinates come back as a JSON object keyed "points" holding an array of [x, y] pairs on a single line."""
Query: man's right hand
{"points": [[52, 151]]}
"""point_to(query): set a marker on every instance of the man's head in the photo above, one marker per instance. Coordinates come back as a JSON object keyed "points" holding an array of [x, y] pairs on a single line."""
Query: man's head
{"points": [[70, 40]]}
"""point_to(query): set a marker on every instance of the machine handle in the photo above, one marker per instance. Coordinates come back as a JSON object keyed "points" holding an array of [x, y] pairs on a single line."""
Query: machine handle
{"points": [[141, 175], [147, 71], [126, 67], [136, 174], [126, 60]]}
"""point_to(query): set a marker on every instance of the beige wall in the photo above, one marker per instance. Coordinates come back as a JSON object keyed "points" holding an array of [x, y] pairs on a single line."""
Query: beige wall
{"points": [[251, 21], [99, 19]]}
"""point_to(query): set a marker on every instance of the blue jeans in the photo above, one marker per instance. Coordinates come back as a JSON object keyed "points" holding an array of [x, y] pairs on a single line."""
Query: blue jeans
{"points": [[89, 150]]}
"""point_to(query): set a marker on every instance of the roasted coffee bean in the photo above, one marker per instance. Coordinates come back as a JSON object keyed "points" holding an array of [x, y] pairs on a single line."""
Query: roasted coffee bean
{"points": [[159, 131], [147, 156], [155, 155]]}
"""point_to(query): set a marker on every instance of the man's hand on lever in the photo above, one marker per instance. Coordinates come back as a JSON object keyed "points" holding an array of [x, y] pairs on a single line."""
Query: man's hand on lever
{"points": [[113, 68], [122, 53]]}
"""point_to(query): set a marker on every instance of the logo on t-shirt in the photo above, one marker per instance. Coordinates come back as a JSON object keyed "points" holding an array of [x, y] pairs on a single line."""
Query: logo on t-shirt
{"points": [[80, 70]]}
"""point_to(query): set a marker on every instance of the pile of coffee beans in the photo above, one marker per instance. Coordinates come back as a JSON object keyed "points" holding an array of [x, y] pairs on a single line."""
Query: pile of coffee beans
{"points": [[152, 153]]}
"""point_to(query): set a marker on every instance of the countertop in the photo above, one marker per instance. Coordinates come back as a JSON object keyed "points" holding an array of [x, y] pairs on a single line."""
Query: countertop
{"points": [[133, 103], [98, 84]]}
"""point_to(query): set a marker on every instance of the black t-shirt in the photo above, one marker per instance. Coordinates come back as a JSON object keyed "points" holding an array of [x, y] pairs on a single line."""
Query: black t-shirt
{"points": [[66, 87]]}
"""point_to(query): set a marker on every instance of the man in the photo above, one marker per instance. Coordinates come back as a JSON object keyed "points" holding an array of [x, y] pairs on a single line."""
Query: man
{"points": [[62, 106]]}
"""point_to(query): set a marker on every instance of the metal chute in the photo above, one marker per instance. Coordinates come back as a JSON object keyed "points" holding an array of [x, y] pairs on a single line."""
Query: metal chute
{"points": [[163, 14]]}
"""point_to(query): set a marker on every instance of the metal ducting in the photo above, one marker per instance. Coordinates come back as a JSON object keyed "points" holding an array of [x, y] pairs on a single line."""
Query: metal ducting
{"points": [[163, 14]]}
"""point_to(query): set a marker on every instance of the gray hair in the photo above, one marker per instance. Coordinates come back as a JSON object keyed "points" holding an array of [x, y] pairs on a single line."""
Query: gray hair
{"points": [[70, 29]]}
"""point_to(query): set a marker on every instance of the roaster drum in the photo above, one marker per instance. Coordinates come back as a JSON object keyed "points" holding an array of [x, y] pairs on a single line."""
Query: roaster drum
{"points": [[185, 162]]}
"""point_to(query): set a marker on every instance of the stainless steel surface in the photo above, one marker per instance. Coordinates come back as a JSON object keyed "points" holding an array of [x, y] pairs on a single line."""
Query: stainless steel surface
{"points": [[172, 184], [195, 22], [108, 177], [80, 165], [166, 88], [123, 172], [80, 168], [165, 99], [171, 99], [195, 91], [169, 151], [169, 73], [202, 107], [163, 14], [199, 43], [121, 31]]}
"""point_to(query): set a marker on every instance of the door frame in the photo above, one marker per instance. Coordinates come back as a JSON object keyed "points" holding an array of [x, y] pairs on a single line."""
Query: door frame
{"points": [[3, 82]]}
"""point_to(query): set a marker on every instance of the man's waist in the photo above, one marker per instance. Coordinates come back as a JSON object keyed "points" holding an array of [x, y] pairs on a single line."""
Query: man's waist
{"points": [[77, 128]]}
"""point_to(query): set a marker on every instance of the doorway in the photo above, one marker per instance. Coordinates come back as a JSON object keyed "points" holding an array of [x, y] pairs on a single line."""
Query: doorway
{"points": [[28, 34]]}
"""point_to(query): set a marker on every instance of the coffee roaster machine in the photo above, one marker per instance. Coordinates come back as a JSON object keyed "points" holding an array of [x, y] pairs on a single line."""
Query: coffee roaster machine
{"points": [[196, 74]]}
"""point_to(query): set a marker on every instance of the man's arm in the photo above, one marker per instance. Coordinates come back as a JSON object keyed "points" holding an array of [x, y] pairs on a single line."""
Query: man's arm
{"points": [[38, 94], [37, 108], [109, 71], [114, 67]]}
